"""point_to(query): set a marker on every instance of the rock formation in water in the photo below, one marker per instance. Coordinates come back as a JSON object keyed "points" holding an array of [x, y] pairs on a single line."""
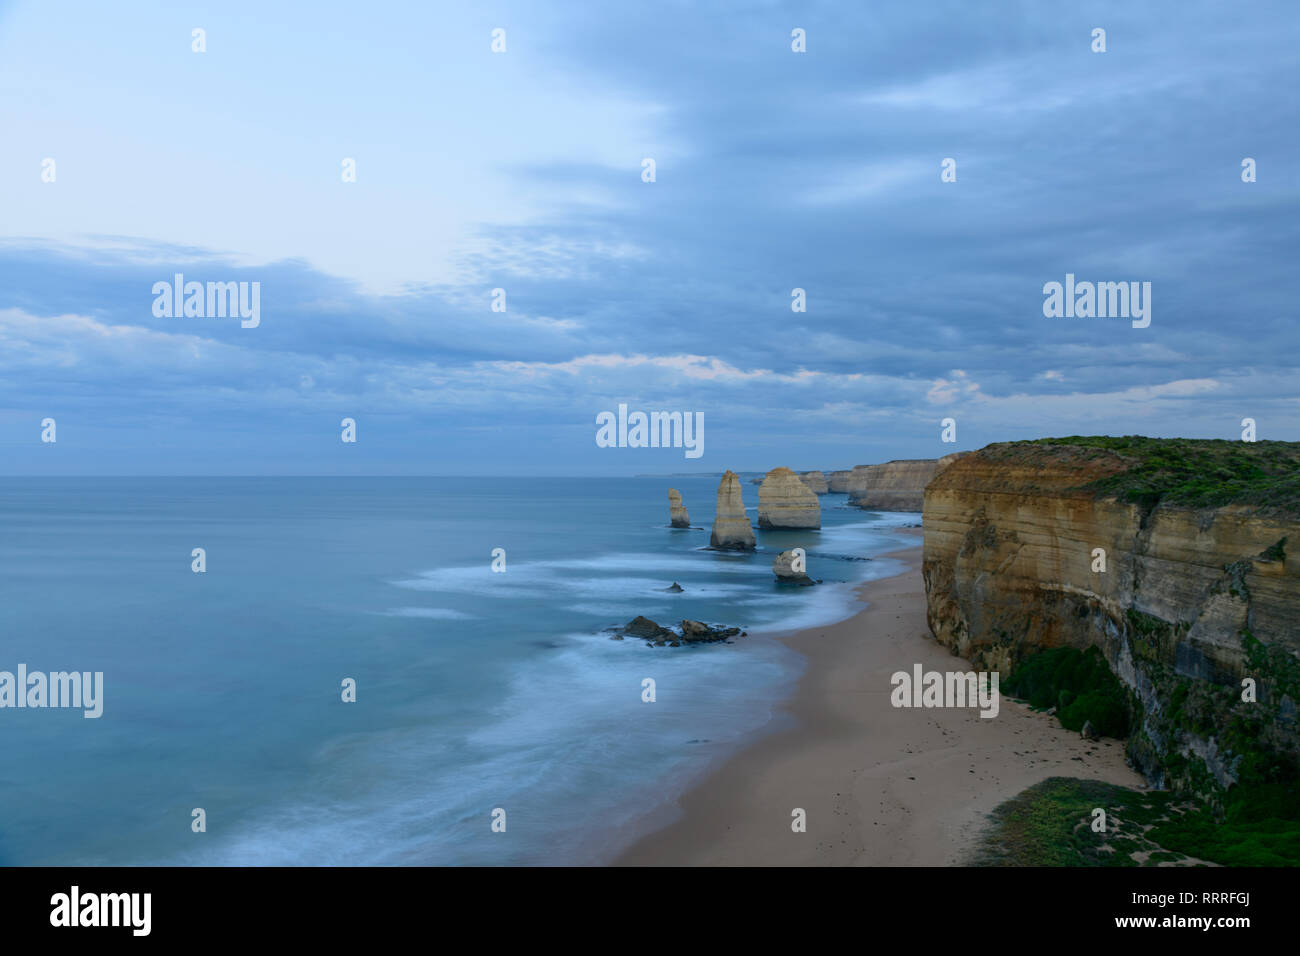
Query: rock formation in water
{"points": [[731, 528], [1175, 558], [786, 502], [790, 568], [676, 511], [643, 627], [815, 481], [692, 632], [896, 485]]}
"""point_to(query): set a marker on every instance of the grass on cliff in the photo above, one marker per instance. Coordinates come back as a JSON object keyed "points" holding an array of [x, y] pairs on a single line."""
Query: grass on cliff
{"points": [[1196, 473], [1051, 824], [1079, 684]]}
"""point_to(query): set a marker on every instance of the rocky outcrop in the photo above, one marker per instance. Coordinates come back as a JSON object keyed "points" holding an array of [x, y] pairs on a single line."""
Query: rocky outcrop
{"points": [[692, 632], [731, 528], [896, 485], [790, 567], [676, 511], [643, 627], [786, 502], [816, 482], [1106, 542]]}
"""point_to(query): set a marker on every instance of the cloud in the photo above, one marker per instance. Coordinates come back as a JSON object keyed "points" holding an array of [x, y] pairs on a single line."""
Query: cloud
{"points": [[775, 170]]}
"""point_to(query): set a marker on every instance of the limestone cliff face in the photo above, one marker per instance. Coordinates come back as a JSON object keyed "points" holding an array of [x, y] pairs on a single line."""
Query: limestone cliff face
{"points": [[676, 512], [894, 486], [1184, 602], [731, 528], [839, 481], [815, 481], [786, 502]]}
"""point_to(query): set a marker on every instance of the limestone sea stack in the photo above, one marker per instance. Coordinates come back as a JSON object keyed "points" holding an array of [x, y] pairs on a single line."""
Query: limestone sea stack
{"points": [[676, 511], [731, 528], [786, 502], [816, 482]]}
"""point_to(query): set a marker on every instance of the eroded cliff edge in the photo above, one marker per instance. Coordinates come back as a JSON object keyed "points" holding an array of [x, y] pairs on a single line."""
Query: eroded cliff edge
{"points": [[1199, 542]]}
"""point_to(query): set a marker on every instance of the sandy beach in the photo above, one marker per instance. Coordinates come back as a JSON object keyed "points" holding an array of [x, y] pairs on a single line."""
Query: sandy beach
{"points": [[881, 786]]}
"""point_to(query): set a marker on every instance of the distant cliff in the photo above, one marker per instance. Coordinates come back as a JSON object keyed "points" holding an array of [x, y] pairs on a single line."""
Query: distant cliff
{"points": [[816, 482], [894, 486], [839, 481], [1178, 559]]}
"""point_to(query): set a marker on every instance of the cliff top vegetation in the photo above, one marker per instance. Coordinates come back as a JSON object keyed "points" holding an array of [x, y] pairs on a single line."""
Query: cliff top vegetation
{"points": [[1190, 472]]}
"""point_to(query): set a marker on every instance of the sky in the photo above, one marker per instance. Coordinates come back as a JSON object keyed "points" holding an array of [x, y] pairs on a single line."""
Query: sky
{"points": [[522, 170]]}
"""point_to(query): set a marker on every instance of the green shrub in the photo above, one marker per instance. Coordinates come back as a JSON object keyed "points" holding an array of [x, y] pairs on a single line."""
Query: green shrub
{"points": [[1079, 684]]}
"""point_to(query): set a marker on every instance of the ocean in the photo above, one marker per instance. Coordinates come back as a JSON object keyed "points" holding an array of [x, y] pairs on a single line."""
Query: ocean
{"points": [[476, 690]]}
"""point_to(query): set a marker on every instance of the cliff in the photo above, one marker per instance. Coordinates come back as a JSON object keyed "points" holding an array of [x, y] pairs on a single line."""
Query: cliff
{"points": [[731, 528], [677, 513], [816, 482], [1170, 556], [894, 486], [786, 502], [840, 481]]}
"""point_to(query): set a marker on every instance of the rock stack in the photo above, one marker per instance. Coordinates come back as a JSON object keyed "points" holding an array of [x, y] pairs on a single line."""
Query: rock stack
{"points": [[786, 502], [676, 511], [731, 528], [790, 568]]}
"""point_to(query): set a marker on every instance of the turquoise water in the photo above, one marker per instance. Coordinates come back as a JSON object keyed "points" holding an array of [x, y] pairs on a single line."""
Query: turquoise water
{"points": [[475, 690]]}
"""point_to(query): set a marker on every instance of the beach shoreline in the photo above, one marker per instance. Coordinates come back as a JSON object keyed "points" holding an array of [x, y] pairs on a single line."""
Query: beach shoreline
{"points": [[880, 785]]}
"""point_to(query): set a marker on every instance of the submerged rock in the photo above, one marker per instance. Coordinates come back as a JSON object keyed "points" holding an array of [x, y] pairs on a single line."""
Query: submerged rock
{"points": [[677, 512], [786, 502], [731, 528], [675, 589]]}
